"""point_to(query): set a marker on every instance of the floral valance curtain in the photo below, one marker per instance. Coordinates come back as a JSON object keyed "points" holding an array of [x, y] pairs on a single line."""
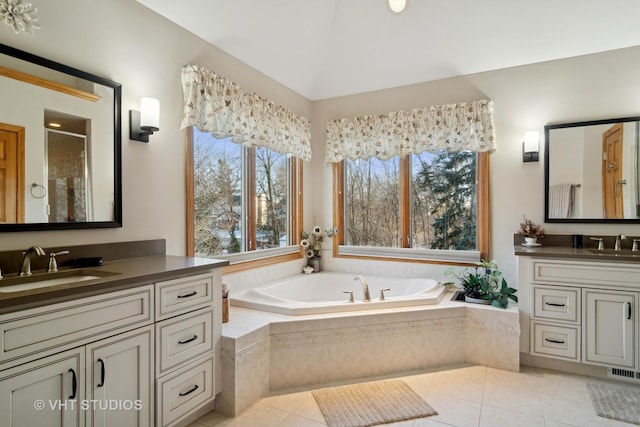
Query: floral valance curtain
{"points": [[217, 105], [452, 127]]}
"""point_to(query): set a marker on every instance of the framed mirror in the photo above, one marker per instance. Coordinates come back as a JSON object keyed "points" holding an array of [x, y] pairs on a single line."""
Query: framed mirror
{"points": [[60, 146], [591, 171]]}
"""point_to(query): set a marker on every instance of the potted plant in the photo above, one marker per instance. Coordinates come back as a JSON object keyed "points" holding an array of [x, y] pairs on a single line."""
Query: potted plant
{"points": [[485, 285], [531, 231], [311, 244]]}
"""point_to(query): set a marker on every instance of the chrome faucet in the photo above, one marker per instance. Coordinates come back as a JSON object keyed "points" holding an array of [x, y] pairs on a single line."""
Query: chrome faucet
{"points": [[619, 239], [25, 264], [53, 263], [365, 288]]}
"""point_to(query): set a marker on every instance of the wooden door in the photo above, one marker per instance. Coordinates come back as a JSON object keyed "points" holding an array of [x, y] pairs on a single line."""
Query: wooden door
{"points": [[612, 172], [11, 173]]}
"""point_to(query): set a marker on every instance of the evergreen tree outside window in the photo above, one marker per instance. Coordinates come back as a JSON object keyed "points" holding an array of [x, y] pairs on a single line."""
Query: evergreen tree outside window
{"points": [[429, 201]]}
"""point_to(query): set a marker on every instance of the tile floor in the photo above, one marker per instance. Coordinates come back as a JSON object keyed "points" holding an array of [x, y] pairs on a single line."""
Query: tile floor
{"points": [[464, 397]]}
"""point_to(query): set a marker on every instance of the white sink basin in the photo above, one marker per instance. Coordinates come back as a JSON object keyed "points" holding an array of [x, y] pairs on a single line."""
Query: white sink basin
{"points": [[44, 280]]}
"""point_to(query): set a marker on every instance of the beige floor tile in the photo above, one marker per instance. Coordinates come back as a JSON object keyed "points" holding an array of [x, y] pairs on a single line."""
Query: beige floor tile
{"points": [[452, 410], [261, 415], [428, 422], [285, 402], [298, 421], [499, 417], [514, 398], [309, 409], [472, 396]]}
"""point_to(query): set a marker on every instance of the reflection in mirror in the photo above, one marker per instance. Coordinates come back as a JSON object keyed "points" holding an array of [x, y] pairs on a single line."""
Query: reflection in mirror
{"points": [[60, 129], [591, 171], [66, 176]]}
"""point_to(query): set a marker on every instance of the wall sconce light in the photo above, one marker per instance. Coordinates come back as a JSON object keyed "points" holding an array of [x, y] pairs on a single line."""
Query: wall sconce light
{"points": [[397, 6], [146, 121], [530, 146]]}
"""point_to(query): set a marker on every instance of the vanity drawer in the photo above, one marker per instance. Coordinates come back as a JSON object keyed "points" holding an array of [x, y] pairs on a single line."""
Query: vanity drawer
{"points": [[588, 273], [185, 390], [57, 327], [556, 303], [174, 297], [183, 338], [561, 342]]}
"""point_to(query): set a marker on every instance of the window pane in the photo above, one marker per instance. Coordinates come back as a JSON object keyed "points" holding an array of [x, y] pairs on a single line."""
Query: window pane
{"points": [[444, 200], [372, 205], [271, 199], [217, 195]]}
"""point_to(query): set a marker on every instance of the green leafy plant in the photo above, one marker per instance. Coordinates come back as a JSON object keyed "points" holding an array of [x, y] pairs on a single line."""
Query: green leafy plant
{"points": [[485, 282]]}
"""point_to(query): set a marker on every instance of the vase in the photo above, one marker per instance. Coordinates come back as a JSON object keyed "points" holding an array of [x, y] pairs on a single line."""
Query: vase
{"points": [[530, 240], [476, 300], [315, 262]]}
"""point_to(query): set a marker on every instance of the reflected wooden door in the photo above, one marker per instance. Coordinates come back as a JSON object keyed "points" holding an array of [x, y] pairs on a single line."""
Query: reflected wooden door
{"points": [[612, 173], [11, 173]]}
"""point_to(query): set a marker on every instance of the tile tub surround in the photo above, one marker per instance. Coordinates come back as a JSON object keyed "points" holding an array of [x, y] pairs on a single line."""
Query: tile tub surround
{"points": [[266, 352]]}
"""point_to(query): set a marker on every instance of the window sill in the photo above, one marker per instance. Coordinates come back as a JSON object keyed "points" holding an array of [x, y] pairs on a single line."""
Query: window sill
{"points": [[256, 259], [433, 256]]}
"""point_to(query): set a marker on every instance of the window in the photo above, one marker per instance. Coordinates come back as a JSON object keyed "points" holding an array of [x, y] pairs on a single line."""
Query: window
{"points": [[241, 198], [431, 206]]}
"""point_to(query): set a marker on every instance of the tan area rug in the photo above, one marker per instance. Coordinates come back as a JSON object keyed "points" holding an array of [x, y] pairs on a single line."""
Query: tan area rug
{"points": [[621, 403], [373, 403]]}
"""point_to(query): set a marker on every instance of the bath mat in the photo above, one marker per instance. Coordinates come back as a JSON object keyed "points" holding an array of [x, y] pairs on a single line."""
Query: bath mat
{"points": [[616, 402], [373, 403]]}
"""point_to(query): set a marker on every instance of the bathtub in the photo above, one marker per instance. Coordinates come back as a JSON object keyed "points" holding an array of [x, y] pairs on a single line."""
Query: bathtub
{"points": [[324, 293]]}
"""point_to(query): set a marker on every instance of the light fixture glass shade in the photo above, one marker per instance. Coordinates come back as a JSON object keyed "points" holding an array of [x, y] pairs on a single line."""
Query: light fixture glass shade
{"points": [[531, 142], [150, 113], [397, 6]]}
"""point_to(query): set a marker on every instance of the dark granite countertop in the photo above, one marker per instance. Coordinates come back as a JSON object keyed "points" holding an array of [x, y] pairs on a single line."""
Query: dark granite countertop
{"points": [[586, 254], [119, 274]]}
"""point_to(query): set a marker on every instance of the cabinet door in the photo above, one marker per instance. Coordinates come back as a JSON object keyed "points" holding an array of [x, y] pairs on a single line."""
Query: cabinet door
{"points": [[119, 380], [43, 393], [609, 328]]}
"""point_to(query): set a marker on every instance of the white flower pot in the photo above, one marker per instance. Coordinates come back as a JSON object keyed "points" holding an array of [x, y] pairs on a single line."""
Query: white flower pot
{"points": [[476, 300], [530, 240]]}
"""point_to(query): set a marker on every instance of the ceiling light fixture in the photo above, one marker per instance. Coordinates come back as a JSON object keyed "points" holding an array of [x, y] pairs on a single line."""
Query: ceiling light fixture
{"points": [[397, 6]]}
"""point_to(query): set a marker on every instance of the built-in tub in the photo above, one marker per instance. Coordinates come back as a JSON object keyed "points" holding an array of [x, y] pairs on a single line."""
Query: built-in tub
{"points": [[324, 293]]}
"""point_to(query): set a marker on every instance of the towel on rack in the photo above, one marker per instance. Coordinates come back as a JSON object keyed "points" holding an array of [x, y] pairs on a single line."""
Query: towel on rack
{"points": [[560, 200]]}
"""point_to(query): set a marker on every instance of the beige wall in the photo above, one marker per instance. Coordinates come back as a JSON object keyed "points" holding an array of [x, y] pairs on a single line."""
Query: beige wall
{"points": [[126, 42], [525, 98]]}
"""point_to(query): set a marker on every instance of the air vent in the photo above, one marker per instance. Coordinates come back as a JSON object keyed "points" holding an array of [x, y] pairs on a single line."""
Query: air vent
{"points": [[623, 374]]}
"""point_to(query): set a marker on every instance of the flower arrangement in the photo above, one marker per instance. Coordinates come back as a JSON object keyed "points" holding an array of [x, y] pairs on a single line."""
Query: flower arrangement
{"points": [[486, 284], [530, 229], [312, 242]]}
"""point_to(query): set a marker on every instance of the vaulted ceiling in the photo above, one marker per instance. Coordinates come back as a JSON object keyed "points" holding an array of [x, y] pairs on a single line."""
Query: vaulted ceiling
{"points": [[328, 48]]}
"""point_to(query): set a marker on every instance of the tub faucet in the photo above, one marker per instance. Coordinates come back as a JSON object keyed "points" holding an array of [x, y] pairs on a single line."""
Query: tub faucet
{"points": [[365, 288], [25, 264], [619, 239]]}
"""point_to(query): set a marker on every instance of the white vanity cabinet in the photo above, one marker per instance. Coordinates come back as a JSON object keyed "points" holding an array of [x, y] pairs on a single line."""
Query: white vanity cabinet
{"points": [[610, 319], [580, 311], [119, 374], [58, 389], [188, 335], [144, 356], [33, 394]]}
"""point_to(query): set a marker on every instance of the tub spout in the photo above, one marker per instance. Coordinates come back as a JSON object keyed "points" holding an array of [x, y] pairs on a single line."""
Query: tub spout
{"points": [[365, 288]]}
